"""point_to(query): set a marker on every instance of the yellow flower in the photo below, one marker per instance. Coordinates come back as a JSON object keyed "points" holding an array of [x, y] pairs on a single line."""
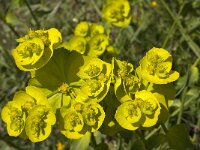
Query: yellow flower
{"points": [[82, 29], [36, 48], [72, 123], [39, 123], [91, 69], [13, 116], [156, 66], [153, 4], [54, 37], [143, 111], [149, 106], [96, 29], [117, 13], [97, 45], [92, 87], [28, 55], [60, 146], [128, 115], [93, 116], [76, 43]]}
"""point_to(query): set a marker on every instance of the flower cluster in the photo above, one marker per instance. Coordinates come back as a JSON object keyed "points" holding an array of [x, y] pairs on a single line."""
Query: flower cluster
{"points": [[117, 13], [29, 115], [142, 91], [89, 38], [82, 93]]}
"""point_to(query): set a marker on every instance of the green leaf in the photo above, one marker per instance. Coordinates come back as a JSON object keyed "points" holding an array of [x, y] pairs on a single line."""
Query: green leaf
{"points": [[12, 19], [194, 75], [178, 137], [167, 90], [102, 146], [138, 145], [193, 92], [156, 141], [4, 146], [81, 143]]}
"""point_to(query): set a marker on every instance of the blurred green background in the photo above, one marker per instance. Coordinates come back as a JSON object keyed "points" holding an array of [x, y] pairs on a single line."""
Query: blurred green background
{"points": [[170, 24]]}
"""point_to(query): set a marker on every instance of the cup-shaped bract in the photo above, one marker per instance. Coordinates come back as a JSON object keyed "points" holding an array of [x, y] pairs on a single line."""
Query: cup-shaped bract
{"points": [[82, 29], [39, 123], [96, 29], [14, 118], [149, 106], [117, 14], [92, 68], [72, 126], [26, 101], [121, 69], [36, 48], [93, 87], [54, 37], [93, 115], [156, 65], [128, 115], [97, 45], [77, 43]]}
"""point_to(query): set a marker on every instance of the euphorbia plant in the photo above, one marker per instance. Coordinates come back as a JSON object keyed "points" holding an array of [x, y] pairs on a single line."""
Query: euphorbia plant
{"points": [[73, 87]]}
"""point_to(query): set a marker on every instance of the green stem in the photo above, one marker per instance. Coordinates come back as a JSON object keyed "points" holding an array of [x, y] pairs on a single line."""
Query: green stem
{"points": [[93, 140], [141, 136], [152, 133], [196, 62], [194, 47], [53, 93], [182, 105], [172, 29], [8, 141], [185, 104], [96, 8], [9, 26], [32, 14], [164, 128], [195, 136], [139, 29]]}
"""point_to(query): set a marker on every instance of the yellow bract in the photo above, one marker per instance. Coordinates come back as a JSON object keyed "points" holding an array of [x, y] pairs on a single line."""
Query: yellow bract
{"points": [[149, 107], [77, 43], [39, 122], [91, 69], [93, 115], [97, 45], [156, 67], [13, 116], [117, 13], [73, 123], [82, 29], [128, 115]]}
